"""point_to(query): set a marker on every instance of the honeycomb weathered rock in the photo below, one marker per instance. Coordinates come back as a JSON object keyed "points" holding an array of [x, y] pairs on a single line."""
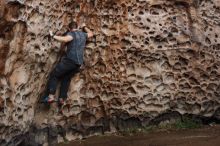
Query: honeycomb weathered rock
{"points": [[149, 57]]}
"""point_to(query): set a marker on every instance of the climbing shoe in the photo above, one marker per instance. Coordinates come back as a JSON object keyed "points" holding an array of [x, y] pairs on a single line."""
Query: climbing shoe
{"points": [[61, 101], [48, 100]]}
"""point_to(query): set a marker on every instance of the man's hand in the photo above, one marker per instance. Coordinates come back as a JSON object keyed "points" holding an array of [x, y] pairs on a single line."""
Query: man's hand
{"points": [[65, 39], [51, 33], [87, 30], [83, 25]]}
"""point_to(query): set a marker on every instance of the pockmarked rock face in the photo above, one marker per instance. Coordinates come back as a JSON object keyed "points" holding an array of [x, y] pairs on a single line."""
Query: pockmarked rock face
{"points": [[148, 58]]}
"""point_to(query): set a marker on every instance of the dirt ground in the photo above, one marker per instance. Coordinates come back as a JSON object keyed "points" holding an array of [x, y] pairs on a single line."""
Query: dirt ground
{"points": [[207, 136]]}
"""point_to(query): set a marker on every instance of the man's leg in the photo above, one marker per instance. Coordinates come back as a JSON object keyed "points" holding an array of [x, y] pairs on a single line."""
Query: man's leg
{"points": [[65, 83], [62, 68]]}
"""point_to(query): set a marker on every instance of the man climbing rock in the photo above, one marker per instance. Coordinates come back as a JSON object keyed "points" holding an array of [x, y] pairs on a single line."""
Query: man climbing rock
{"points": [[70, 63]]}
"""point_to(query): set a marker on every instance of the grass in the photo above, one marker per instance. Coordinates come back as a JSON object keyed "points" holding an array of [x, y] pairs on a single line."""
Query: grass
{"points": [[185, 123]]}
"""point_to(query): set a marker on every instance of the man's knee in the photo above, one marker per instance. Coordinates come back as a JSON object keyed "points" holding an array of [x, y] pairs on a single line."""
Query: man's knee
{"points": [[55, 73]]}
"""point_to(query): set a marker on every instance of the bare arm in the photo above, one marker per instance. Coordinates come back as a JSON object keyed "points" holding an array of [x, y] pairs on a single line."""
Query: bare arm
{"points": [[88, 31], [65, 39]]}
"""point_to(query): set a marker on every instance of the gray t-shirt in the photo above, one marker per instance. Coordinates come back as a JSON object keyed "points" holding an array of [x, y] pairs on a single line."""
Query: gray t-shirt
{"points": [[75, 48]]}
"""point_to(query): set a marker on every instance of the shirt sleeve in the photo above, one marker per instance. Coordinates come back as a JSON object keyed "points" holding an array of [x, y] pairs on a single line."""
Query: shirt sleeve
{"points": [[86, 35], [71, 34]]}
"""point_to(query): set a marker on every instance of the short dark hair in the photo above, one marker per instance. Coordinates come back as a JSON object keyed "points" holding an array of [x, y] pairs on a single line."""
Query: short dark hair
{"points": [[73, 25]]}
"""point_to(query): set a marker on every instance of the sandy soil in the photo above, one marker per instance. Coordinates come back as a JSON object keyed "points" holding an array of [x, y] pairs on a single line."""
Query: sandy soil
{"points": [[207, 136]]}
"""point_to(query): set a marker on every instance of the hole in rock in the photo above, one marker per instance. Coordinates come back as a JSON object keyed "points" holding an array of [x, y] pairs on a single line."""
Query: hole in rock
{"points": [[116, 102], [208, 41], [141, 13], [131, 90]]}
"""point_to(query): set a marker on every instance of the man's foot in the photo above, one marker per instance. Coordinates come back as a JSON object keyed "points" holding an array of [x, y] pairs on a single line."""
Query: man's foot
{"points": [[61, 101], [49, 99]]}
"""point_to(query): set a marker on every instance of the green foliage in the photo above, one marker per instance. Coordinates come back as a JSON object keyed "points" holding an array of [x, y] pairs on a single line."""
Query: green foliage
{"points": [[185, 123]]}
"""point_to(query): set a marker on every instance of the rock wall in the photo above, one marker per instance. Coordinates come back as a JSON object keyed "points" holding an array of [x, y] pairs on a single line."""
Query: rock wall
{"points": [[149, 58]]}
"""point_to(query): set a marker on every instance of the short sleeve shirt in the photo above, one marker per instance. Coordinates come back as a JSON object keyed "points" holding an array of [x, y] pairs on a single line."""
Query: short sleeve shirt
{"points": [[75, 48]]}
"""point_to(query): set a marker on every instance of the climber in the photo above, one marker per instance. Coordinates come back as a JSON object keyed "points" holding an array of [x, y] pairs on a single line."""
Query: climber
{"points": [[70, 63]]}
